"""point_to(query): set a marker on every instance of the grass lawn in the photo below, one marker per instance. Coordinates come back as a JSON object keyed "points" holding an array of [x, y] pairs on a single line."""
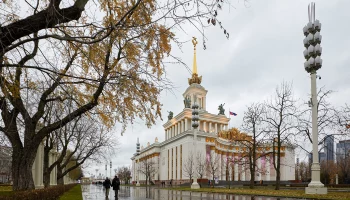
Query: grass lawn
{"points": [[269, 192], [73, 194], [5, 190]]}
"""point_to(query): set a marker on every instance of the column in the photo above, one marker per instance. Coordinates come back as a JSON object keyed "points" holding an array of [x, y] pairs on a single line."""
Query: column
{"points": [[205, 126], [41, 165], [267, 166], [179, 127], [36, 169], [55, 169], [50, 162], [175, 129], [216, 127], [182, 126], [210, 127], [224, 157], [186, 124], [205, 103], [236, 168], [243, 170], [172, 131], [259, 168]]}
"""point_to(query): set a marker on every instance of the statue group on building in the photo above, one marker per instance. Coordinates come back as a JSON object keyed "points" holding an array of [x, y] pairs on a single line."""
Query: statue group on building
{"points": [[170, 116], [221, 109], [187, 102]]}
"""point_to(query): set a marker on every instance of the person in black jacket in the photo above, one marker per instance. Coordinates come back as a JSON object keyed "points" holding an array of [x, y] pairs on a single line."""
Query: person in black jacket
{"points": [[116, 185], [107, 185]]}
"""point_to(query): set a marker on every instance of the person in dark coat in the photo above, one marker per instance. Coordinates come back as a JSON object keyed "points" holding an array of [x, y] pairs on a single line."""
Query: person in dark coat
{"points": [[107, 185], [116, 185]]}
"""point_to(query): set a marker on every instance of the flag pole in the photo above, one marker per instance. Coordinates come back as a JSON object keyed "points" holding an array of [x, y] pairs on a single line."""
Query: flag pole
{"points": [[229, 116]]}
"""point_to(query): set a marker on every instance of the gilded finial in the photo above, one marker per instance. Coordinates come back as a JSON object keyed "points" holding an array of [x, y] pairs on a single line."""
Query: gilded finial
{"points": [[195, 78], [194, 42]]}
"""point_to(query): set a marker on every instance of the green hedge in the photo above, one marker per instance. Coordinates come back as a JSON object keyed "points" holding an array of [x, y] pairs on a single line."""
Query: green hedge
{"points": [[51, 193]]}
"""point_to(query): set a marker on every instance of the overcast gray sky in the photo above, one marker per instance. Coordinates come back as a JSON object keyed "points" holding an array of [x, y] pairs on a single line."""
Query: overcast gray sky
{"points": [[264, 49]]}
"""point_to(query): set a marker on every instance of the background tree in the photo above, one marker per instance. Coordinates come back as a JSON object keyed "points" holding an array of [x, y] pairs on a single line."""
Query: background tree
{"points": [[148, 167], [212, 165], [280, 118], [201, 165], [111, 63], [84, 140], [253, 124], [124, 174], [326, 118], [188, 168]]}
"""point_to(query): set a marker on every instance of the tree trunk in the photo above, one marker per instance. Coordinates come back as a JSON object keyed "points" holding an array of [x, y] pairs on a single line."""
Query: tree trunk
{"points": [[278, 167], [252, 178], [47, 171], [22, 162], [60, 180]]}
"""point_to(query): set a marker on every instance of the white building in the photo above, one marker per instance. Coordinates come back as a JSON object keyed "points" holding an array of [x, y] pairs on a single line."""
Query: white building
{"points": [[170, 155]]}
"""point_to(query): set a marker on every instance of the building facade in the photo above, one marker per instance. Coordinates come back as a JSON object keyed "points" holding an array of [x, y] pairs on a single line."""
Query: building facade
{"points": [[5, 164], [214, 140], [343, 149]]}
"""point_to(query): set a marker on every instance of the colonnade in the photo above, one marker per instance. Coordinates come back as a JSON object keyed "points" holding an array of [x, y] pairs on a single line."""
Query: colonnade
{"points": [[38, 168], [239, 170], [185, 124]]}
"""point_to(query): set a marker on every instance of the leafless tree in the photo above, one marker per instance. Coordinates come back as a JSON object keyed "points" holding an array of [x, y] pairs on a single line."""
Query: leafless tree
{"points": [[188, 167], [280, 119], [326, 117], [84, 140], [253, 124], [148, 167], [124, 174], [343, 120], [212, 165], [304, 173], [201, 165]]}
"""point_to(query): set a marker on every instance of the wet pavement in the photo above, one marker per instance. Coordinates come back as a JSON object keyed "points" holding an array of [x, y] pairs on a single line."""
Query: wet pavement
{"points": [[97, 192]]}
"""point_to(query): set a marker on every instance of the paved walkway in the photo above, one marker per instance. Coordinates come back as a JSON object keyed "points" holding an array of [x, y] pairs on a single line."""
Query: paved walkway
{"points": [[97, 192]]}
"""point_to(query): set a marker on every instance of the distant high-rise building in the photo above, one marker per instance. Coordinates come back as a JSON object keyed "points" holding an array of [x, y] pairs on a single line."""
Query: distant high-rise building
{"points": [[329, 147], [343, 149]]}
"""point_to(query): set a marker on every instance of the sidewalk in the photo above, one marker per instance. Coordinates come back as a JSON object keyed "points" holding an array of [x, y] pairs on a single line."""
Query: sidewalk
{"points": [[97, 192]]}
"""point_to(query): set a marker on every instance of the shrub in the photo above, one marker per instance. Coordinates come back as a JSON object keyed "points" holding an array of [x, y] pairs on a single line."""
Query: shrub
{"points": [[51, 193]]}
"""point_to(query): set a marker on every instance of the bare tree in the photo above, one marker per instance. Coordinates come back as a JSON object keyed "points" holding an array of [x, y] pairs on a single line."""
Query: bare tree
{"points": [[280, 118], [148, 167], [326, 117], [188, 167], [212, 165], [201, 165], [85, 140], [124, 173], [253, 123]]}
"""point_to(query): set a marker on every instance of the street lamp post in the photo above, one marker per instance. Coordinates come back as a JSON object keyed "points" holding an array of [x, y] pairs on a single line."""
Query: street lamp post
{"points": [[195, 124], [312, 54]]}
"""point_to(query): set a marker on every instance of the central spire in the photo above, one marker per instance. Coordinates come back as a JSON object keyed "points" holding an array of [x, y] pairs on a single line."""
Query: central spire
{"points": [[195, 78], [194, 42]]}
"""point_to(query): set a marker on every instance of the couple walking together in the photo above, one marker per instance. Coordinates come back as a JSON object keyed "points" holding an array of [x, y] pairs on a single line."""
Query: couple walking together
{"points": [[115, 184]]}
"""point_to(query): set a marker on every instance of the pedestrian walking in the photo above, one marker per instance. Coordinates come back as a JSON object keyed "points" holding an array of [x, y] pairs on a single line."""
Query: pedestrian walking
{"points": [[116, 185], [107, 185]]}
